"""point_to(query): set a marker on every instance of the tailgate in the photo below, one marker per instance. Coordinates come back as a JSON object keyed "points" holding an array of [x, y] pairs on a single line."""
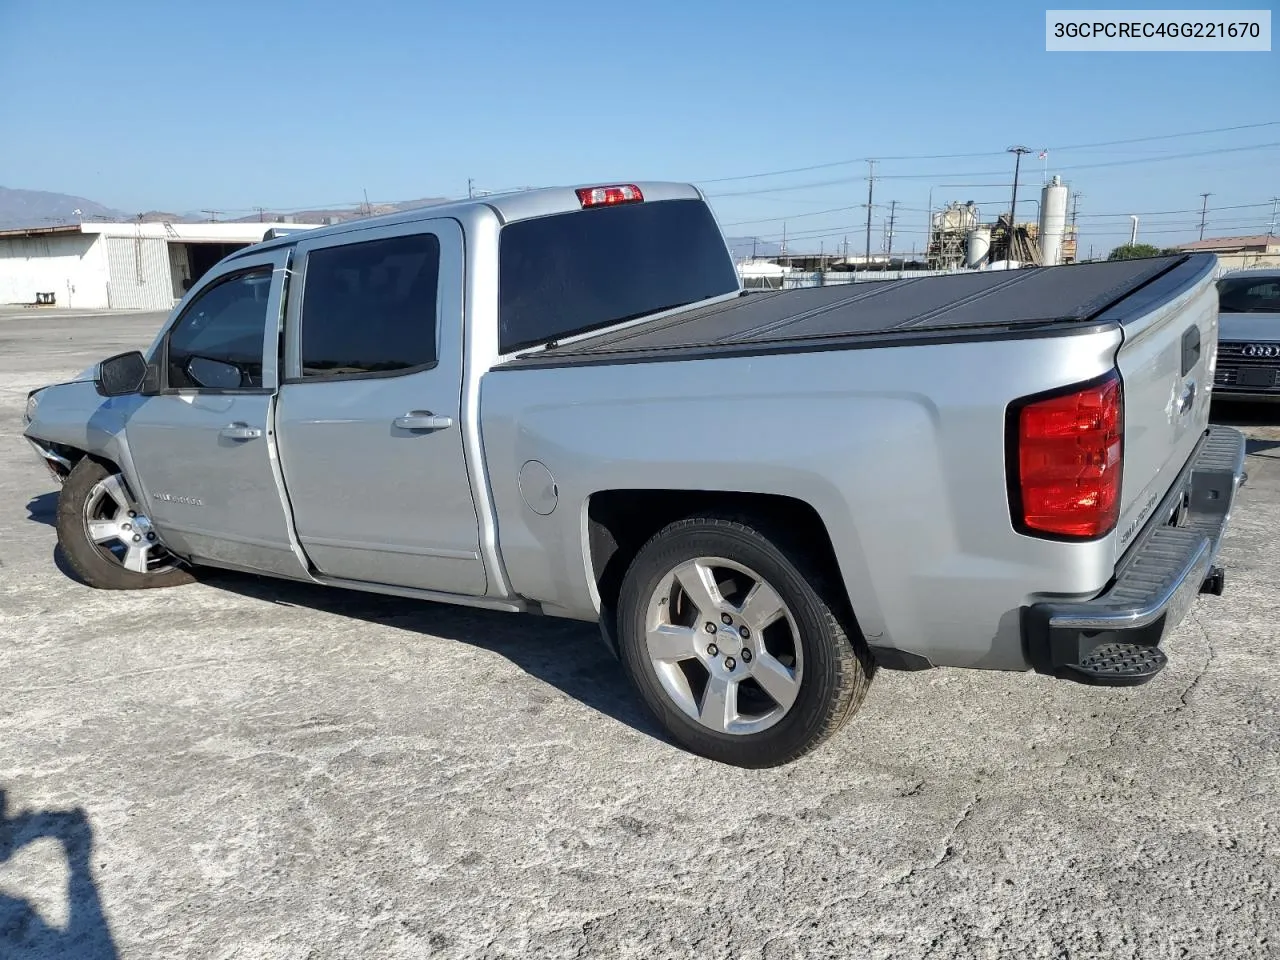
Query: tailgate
{"points": [[1166, 363]]}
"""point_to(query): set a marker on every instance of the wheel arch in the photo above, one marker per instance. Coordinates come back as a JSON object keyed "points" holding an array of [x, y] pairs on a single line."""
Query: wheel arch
{"points": [[620, 522], [61, 458]]}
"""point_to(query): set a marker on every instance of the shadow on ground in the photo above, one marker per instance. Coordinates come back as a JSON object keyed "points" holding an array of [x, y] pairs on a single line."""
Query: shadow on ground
{"points": [[24, 933], [1245, 415], [1239, 413], [44, 508], [567, 654]]}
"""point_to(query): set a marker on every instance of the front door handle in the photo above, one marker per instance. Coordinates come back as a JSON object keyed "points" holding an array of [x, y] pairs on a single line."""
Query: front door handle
{"points": [[240, 431], [422, 420]]}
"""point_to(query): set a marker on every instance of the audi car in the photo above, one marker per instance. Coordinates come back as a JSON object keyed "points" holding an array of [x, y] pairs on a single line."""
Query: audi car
{"points": [[1249, 335]]}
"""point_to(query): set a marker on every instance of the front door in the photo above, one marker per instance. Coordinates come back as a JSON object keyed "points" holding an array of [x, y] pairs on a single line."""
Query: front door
{"points": [[369, 417], [200, 447]]}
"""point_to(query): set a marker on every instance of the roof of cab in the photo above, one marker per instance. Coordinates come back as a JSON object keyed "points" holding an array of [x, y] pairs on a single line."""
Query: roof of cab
{"points": [[516, 205]]}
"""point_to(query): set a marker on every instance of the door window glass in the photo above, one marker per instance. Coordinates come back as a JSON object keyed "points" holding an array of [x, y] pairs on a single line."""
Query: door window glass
{"points": [[217, 344], [370, 308]]}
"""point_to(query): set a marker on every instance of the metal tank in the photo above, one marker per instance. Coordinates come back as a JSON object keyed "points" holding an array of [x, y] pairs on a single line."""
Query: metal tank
{"points": [[956, 218], [979, 247], [1053, 221]]}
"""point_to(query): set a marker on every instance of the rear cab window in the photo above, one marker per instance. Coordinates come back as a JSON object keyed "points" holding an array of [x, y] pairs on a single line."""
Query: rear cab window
{"points": [[570, 273]]}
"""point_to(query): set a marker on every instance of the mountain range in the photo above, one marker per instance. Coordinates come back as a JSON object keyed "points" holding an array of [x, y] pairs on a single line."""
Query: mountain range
{"points": [[41, 208]]}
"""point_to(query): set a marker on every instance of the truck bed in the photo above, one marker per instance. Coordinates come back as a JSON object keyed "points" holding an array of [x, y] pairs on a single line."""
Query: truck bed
{"points": [[977, 305]]}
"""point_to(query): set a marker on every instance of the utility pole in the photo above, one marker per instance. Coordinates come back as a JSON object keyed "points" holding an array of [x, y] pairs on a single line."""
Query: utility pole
{"points": [[1204, 208], [846, 246], [471, 188], [1017, 152], [368, 210], [1075, 235], [871, 184], [1275, 202], [261, 214], [753, 247], [783, 252], [213, 215], [893, 207], [1133, 230], [928, 230]]}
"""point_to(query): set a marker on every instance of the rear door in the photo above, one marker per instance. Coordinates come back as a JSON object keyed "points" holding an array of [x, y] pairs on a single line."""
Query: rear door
{"points": [[201, 447], [369, 424]]}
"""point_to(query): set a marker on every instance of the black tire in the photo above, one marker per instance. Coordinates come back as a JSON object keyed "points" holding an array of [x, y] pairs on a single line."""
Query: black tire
{"points": [[85, 558], [838, 667]]}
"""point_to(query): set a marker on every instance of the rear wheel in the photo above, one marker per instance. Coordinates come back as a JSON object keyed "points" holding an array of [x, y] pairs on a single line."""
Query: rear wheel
{"points": [[106, 538], [733, 638]]}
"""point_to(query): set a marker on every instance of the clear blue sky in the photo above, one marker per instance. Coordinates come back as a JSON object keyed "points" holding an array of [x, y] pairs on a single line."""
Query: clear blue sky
{"points": [[285, 104]]}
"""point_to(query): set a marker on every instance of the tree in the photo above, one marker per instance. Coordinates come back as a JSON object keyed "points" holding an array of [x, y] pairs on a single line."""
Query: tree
{"points": [[1132, 251]]}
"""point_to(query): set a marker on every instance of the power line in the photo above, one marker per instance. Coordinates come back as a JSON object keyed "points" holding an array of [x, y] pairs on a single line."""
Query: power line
{"points": [[794, 216], [941, 176], [989, 153], [1169, 136], [1157, 158]]}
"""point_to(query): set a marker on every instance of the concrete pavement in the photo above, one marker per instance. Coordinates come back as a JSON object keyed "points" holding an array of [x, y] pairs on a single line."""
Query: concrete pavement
{"points": [[267, 770]]}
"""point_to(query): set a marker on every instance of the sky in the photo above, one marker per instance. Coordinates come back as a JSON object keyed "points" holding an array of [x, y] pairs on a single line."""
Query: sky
{"points": [[288, 105]]}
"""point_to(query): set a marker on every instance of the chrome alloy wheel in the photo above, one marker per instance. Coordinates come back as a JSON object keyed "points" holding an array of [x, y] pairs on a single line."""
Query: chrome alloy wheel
{"points": [[724, 646], [122, 532]]}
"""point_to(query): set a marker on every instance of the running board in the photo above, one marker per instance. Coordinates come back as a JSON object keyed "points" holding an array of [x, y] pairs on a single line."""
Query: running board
{"points": [[433, 596]]}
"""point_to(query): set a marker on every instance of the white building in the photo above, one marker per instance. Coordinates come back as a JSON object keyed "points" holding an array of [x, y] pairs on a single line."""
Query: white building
{"points": [[139, 266]]}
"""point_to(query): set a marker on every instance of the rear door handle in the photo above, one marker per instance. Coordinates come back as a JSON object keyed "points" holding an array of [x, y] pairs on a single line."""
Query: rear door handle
{"points": [[422, 420], [240, 431]]}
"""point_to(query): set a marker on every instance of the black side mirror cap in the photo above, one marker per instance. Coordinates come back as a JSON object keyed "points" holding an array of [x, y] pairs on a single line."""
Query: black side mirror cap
{"points": [[122, 374]]}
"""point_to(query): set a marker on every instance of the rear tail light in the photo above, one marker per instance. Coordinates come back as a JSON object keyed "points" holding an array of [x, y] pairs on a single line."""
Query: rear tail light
{"points": [[1066, 460], [609, 196]]}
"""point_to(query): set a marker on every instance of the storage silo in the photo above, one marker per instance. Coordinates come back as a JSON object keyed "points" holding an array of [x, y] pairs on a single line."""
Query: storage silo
{"points": [[1053, 221], [979, 247]]}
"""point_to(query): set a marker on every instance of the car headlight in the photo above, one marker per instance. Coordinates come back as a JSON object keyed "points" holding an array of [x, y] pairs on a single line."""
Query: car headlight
{"points": [[33, 400]]}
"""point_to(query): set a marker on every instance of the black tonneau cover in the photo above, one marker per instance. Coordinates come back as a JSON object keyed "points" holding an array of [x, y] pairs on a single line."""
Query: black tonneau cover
{"points": [[962, 306]]}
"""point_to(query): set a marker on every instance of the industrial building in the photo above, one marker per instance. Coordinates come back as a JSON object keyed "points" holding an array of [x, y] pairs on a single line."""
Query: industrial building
{"points": [[958, 237], [138, 266], [1234, 252]]}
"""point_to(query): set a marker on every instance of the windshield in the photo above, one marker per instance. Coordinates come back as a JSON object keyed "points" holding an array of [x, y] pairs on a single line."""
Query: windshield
{"points": [[1249, 295], [568, 273]]}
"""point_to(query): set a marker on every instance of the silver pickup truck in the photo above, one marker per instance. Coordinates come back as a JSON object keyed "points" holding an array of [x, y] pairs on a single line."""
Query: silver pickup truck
{"points": [[561, 401]]}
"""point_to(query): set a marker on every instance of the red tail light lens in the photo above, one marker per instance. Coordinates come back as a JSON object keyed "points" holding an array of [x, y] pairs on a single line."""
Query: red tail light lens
{"points": [[608, 196], [1068, 462]]}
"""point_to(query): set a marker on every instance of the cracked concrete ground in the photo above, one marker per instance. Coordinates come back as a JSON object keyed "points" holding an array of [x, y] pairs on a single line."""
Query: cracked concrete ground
{"points": [[248, 769]]}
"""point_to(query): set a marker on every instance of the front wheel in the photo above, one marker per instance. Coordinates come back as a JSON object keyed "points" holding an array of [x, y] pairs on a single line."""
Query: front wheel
{"points": [[105, 536], [732, 636]]}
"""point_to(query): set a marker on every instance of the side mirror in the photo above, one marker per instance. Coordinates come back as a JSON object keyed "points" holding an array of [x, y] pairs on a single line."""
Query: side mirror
{"points": [[122, 374], [214, 374]]}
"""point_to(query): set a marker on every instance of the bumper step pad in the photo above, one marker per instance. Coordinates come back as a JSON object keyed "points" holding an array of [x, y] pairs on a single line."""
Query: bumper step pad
{"points": [[1118, 665]]}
